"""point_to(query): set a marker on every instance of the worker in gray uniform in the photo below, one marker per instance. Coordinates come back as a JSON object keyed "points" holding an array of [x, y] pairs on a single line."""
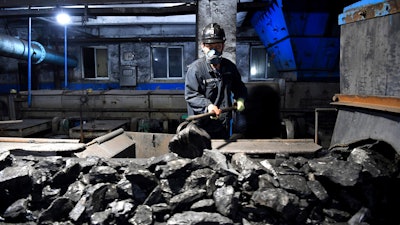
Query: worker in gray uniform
{"points": [[213, 83]]}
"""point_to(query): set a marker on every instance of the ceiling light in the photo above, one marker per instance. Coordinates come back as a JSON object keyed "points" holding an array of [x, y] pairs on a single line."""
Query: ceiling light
{"points": [[63, 18]]}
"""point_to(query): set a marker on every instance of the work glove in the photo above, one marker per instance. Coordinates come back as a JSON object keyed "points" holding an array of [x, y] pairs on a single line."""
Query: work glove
{"points": [[215, 109], [240, 104]]}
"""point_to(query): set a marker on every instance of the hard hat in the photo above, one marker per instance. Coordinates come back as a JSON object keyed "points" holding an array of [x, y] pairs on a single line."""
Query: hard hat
{"points": [[213, 33]]}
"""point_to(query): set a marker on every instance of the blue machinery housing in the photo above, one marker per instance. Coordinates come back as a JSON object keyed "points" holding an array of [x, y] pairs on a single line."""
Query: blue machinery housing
{"points": [[301, 37]]}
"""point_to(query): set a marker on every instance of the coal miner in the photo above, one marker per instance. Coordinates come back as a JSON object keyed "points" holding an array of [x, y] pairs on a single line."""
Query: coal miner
{"points": [[214, 83]]}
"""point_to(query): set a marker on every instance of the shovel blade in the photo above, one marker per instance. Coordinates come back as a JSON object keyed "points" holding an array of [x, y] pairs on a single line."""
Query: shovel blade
{"points": [[190, 141]]}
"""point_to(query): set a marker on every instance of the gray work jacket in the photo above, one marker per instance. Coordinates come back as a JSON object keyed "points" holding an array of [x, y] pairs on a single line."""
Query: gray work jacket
{"points": [[203, 87]]}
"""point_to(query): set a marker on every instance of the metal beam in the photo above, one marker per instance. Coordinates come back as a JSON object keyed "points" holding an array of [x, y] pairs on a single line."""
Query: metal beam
{"points": [[143, 39], [381, 103], [370, 11], [38, 3], [119, 10], [132, 39], [116, 11]]}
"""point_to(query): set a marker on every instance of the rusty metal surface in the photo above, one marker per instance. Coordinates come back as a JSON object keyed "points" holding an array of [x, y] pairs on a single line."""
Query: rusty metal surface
{"points": [[370, 11], [25, 127], [266, 146], [381, 103]]}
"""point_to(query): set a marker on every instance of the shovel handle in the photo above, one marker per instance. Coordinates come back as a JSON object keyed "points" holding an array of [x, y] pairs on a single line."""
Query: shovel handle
{"points": [[199, 116]]}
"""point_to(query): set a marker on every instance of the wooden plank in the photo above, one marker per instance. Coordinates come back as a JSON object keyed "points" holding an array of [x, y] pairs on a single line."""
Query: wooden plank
{"points": [[10, 121], [266, 146], [41, 147], [37, 140]]}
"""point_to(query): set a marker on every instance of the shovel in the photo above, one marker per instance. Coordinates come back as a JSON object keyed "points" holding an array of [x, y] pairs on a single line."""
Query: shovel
{"points": [[200, 116], [190, 140]]}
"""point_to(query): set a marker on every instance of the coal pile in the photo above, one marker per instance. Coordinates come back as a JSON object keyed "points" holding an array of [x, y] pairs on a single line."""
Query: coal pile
{"points": [[344, 186]]}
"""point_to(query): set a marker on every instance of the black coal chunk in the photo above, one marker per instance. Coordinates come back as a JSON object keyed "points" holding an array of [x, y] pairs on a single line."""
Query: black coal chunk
{"points": [[340, 186]]}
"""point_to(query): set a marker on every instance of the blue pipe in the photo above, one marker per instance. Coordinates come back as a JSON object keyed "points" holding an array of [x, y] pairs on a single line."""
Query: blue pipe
{"points": [[29, 63], [65, 58], [18, 48]]}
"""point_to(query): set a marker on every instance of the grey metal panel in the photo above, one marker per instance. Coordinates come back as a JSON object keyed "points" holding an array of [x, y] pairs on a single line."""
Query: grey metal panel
{"points": [[354, 126], [25, 127], [164, 104], [128, 76], [369, 57], [116, 144]]}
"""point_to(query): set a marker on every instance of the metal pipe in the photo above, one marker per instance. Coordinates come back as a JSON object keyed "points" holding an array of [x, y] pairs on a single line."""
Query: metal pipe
{"points": [[29, 62], [65, 58], [18, 48]]}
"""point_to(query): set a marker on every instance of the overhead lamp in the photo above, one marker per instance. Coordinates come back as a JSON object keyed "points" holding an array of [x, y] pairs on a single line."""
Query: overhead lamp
{"points": [[63, 18]]}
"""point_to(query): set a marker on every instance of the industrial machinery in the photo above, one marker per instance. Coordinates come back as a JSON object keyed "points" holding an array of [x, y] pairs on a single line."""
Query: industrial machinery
{"points": [[369, 99]]}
